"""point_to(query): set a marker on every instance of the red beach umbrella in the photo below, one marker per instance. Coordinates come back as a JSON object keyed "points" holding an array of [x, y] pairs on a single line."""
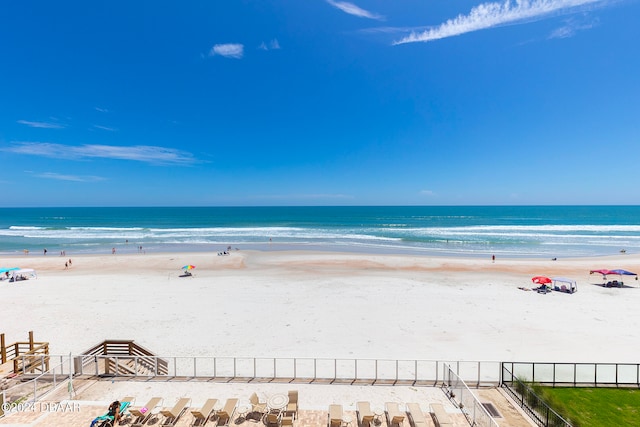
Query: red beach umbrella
{"points": [[603, 271], [541, 280]]}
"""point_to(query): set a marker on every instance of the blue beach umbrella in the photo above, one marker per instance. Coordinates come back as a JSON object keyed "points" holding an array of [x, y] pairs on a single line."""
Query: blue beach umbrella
{"points": [[621, 272]]}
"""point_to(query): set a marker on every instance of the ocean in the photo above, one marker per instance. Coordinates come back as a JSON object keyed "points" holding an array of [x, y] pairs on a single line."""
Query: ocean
{"points": [[507, 231]]}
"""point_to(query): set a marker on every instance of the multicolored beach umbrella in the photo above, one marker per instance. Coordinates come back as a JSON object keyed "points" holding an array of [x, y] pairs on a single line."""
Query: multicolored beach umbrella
{"points": [[188, 267]]}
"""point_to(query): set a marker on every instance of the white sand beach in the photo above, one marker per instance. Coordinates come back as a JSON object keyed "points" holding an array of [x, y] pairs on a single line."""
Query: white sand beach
{"points": [[322, 304]]}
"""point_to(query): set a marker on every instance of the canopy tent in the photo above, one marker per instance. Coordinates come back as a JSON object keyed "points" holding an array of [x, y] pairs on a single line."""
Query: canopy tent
{"points": [[562, 284], [619, 272]]}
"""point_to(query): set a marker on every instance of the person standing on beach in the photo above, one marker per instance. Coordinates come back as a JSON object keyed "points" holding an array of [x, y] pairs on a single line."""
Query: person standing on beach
{"points": [[45, 251], [113, 251], [493, 258]]}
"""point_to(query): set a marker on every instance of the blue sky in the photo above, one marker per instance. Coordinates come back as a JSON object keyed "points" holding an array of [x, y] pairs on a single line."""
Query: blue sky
{"points": [[319, 102]]}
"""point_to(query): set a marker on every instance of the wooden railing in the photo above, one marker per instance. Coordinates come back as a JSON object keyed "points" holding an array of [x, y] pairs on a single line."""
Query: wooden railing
{"points": [[27, 356], [123, 357]]}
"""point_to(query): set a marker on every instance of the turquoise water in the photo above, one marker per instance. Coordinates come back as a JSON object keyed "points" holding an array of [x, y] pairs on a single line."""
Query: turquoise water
{"points": [[513, 231]]}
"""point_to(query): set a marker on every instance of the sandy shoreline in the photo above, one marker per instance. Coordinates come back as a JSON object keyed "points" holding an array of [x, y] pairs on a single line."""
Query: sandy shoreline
{"points": [[323, 304]]}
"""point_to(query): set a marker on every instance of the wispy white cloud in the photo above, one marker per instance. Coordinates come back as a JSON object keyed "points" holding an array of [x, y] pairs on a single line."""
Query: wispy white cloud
{"points": [[43, 125], [427, 193], [488, 15], [354, 10], [272, 45], [63, 177], [571, 27], [102, 110], [140, 153], [105, 128], [228, 50]]}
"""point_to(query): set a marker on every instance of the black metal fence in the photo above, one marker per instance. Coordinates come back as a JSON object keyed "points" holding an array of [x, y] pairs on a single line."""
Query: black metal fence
{"points": [[530, 402]]}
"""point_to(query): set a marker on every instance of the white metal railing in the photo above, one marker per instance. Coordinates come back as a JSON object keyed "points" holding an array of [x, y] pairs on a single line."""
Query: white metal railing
{"points": [[459, 392], [20, 396], [425, 372]]}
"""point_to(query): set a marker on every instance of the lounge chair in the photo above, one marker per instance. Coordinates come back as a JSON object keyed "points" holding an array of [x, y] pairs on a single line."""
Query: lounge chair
{"points": [[394, 416], [440, 416], [226, 413], [335, 416], [286, 420], [171, 415], [256, 405], [364, 414], [292, 406], [416, 416], [144, 413], [273, 419], [108, 420], [201, 415]]}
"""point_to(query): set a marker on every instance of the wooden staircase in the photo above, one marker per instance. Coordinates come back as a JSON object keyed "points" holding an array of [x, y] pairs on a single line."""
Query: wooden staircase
{"points": [[120, 358]]}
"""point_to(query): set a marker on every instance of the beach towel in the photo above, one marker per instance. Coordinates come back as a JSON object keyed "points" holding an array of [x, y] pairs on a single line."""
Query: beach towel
{"points": [[108, 416]]}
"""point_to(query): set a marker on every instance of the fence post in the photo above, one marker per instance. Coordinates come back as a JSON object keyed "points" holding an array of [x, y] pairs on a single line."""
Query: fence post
{"points": [[397, 363], [3, 355], [533, 373]]}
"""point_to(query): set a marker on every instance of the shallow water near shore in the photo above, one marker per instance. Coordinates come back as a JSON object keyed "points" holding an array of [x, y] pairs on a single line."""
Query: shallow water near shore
{"points": [[469, 231]]}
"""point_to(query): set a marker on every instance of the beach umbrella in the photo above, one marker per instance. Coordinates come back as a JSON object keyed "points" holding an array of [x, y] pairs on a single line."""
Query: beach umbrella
{"points": [[621, 272], [541, 280], [603, 271], [188, 267]]}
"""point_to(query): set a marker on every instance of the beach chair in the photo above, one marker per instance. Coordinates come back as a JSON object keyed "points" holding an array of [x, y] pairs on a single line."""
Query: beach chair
{"points": [[172, 415], [144, 413], [440, 416], [416, 416], [335, 416], [256, 405], [394, 416], [108, 420], [272, 419], [292, 406], [364, 414], [226, 413], [201, 415], [286, 421]]}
